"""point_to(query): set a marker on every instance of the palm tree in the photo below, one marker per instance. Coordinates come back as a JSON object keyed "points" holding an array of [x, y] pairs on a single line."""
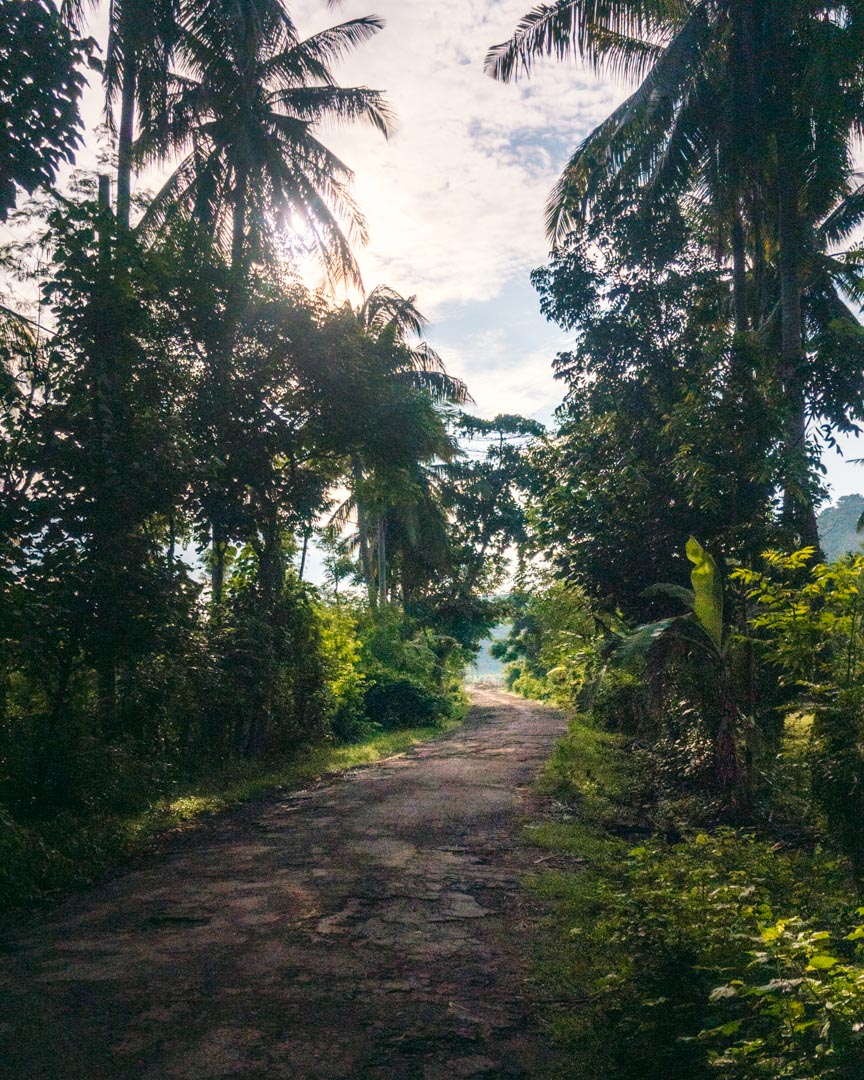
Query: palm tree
{"points": [[749, 110], [142, 36], [244, 112], [389, 320], [391, 486]]}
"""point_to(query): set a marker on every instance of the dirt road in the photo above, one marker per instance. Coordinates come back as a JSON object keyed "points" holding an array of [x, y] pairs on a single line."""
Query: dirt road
{"points": [[370, 927]]}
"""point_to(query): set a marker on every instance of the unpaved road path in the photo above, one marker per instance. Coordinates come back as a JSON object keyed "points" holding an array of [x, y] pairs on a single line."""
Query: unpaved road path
{"points": [[371, 927]]}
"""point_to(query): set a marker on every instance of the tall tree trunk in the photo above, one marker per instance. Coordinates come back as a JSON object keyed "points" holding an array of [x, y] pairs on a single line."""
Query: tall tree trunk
{"points": [[363, 535], [739, 275], [105, 524], [238, 222], [126, 138], [799, 514], [106, 694], [217, 565], [382, 560], [220, 369], [303, 553], [172, 540], [271, 559]]}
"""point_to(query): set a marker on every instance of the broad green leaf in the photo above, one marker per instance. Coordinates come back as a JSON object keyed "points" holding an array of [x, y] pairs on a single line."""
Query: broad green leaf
{"points": [[822, 962], [635, 646], [667, 591], [707, 590]]}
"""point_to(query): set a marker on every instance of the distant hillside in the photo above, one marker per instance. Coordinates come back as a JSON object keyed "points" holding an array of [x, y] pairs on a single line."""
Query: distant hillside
{"points": [[837, 526]]}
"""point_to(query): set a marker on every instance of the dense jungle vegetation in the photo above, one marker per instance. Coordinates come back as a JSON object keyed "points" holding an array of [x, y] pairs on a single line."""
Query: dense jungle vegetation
{"points": [[706, 258], [180, 418]]}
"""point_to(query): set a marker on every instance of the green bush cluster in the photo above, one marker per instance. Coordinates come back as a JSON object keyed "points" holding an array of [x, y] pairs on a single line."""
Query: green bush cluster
{"points": [[250, 692], [715, 953], [551, 650], [403, 703]]}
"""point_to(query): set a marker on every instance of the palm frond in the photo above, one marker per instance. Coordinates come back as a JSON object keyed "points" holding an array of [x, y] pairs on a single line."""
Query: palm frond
{"points": [[589, 29], [844, 219], [444, 389], [387, 312], [641, 125], [335, 104]]}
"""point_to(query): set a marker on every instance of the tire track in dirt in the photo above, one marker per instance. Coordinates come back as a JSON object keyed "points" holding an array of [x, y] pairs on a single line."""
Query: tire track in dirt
{"points": [[371, 927]]}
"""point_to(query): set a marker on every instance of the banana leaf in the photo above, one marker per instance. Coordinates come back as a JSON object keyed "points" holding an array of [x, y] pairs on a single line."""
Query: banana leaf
{"points": [[708, 591]]}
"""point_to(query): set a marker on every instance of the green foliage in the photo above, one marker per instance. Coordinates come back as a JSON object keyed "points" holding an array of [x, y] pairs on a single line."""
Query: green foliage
{"points": [[667, 422], [411, 673], [716, 951], [40, 90], [622, 701], [726, 125], [140, 454], [341, 645], [402, 703], [707, 592], [586, 770], [798, 1010], [551, 648], [810, 622]]}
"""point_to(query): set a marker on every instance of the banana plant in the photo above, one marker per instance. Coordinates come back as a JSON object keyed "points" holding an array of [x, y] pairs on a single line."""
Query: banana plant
{"points": [[705, 601], [702, 629]]}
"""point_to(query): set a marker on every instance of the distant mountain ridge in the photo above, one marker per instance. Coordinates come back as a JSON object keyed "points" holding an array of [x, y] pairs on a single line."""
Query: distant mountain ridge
{"points": [[837, 527]]}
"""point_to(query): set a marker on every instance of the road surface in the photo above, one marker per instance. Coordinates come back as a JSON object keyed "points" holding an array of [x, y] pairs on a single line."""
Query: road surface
{"points": [[370, 927]]}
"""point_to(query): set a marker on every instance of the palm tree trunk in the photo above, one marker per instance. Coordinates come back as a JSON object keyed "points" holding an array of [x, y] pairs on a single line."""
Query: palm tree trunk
{"points": [[303, 553], [106, 695], [126, 139], [217, 566], [104, 524], [238, 223], [739, 275], [363, 536], [382, 561], [220, 370], [799, 513], [271, 558]]}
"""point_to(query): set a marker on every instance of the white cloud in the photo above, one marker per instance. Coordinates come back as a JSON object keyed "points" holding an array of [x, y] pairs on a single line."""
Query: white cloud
{"points": [[455, 199], [506, 378]]}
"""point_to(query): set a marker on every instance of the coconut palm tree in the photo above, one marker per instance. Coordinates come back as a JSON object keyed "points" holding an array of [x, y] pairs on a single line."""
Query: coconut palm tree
{"points": [[749, 110], [391, 485], [243, 112], [142, 36], [389, 321]]}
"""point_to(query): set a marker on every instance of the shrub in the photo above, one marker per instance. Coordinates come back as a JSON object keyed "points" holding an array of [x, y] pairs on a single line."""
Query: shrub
{"points": [[620, 701], [403, 703], [345, 682], [811, 618]]}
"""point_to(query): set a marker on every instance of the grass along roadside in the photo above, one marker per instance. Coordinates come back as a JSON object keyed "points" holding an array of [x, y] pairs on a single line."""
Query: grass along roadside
{"points": [[43, 860], [699, 953]]}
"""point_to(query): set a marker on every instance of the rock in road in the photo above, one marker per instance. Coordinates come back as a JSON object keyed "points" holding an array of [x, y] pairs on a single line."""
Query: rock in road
{"points": [[370, 927]]}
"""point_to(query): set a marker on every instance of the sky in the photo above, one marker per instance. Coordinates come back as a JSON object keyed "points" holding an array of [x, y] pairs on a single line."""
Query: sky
{"points": [[454, 200]]}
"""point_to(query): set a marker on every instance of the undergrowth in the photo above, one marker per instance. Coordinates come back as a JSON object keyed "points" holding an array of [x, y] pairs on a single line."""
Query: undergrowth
{"points": [[45, 859], [709, 952]]}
